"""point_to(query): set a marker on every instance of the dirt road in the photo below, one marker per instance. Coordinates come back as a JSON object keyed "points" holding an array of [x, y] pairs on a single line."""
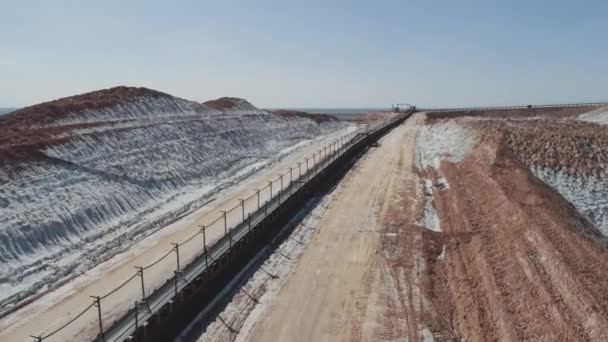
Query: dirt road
{"points": [[347, 285]]}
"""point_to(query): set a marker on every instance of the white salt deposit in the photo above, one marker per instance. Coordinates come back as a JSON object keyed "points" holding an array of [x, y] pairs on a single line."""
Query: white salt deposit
{"points": [[588, 194], [447, 140], [599, 116], [429, 217]]}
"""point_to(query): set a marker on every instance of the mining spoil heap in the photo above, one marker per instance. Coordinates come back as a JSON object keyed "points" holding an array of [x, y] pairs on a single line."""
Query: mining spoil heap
{"points": [[84, 178], [473, 226]]}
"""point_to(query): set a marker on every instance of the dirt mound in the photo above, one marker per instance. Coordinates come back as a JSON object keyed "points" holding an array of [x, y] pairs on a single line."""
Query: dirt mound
{"points": [[88, 174], [549, 112], [225, 103], [47, 112], [318, 118], [30, 126], [47, 123]]}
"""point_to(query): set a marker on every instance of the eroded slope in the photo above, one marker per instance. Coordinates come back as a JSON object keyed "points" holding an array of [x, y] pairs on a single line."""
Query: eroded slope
{"points": [[83, 177]]}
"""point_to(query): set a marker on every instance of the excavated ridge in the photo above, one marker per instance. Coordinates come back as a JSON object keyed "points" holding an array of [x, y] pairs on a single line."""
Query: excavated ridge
{"points": [[82, 178]]}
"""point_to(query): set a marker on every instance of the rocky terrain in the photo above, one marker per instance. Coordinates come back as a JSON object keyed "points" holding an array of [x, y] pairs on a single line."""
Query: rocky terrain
{"points": [[83, 177]]}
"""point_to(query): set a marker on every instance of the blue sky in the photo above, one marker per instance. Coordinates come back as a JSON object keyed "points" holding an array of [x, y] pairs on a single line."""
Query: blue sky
{"points": [[308, 53]]}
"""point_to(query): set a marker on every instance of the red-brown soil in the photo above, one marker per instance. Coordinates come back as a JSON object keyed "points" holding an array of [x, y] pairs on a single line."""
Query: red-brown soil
{"points": [[576, 147], [29, 127], [48, 112], [318, 118], [549, 112], [26, 130], [519, 263], [223, 103]]}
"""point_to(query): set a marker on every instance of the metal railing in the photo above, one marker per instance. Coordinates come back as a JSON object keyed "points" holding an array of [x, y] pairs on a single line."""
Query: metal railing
{"points": [[176, 268], [532, 106]]}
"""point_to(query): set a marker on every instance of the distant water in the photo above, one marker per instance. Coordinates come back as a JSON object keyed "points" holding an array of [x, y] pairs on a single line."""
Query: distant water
{"points": [[341, 113], [6, 110]]}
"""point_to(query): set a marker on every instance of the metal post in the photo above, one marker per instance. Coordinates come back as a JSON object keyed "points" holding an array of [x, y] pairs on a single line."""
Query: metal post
{"points": [[290, 181], [257, 191], [226, 232], [307, 175], [140, 271], [176, 247], [176, 279], [136, 316], [249, 220], [299, 170], [242, 210], [281, 188], [225, 223], [98, 305], [205, 247], [270, 182]]}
